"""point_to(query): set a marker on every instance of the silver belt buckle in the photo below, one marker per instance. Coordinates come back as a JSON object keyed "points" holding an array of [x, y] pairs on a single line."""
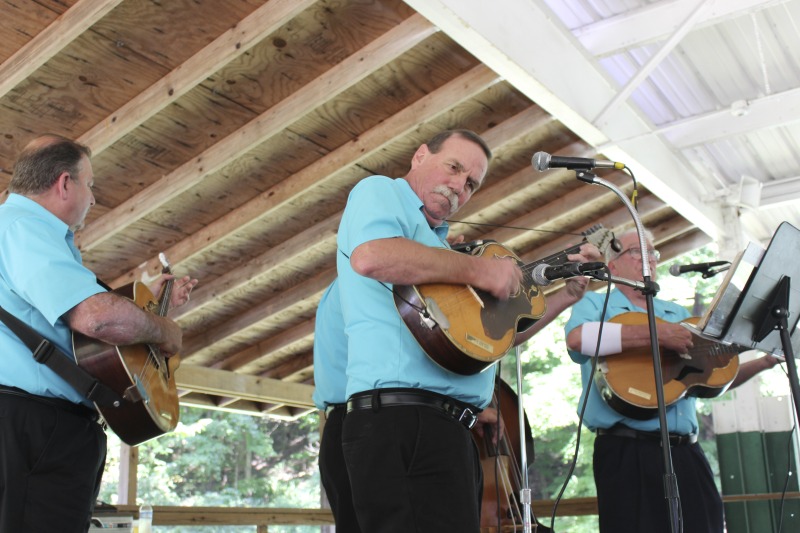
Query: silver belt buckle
{"points": [[468, 418]]}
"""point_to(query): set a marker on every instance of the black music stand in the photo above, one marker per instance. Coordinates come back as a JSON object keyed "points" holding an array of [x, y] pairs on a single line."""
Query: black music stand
{"points": [[766, 313]]}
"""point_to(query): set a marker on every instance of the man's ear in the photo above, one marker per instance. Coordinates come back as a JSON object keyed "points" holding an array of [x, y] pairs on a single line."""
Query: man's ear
{"points": [[63, 184], [420, 155]]}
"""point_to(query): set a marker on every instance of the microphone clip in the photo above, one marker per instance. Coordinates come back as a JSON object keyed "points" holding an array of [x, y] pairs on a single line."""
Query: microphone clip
{"points": [[585, 176]]}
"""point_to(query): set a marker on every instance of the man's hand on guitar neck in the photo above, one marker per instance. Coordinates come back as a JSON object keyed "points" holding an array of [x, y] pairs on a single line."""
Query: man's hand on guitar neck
{"points": [[181, 289], [673, 337], [576, 287]]}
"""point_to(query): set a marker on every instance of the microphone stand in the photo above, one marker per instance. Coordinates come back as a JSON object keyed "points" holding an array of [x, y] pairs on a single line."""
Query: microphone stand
{"points": [[649, 288], [525, 491]]}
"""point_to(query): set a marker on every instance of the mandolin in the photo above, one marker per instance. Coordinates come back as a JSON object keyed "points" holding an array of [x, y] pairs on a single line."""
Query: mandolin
{"points": [[465, 330], [626, 380]]}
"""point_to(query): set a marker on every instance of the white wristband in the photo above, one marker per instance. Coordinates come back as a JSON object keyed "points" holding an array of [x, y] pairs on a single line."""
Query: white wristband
{"points": [[610, 343]]}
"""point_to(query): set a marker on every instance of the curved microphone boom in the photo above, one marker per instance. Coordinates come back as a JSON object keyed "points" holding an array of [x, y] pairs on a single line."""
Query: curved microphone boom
{"points": [[542, 161], [677, 270], [544, 274]]}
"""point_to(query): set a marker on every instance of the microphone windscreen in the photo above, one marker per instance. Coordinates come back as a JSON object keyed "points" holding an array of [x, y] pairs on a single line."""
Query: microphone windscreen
{"points": [[675, 270], [541, 161]]}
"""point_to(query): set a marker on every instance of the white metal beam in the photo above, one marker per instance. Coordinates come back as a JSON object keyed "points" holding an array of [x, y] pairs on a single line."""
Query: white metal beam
{"points": [[771, 111], [524, 42], [656, 22], [780, 192]]}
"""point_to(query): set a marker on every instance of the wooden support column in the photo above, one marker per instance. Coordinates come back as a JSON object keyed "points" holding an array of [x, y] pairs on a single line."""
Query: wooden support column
{"points": [[128, 466]]}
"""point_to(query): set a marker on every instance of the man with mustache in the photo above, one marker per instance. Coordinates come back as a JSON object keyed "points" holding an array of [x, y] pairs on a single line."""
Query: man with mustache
{"points": [[411, 464], [52, 450]]}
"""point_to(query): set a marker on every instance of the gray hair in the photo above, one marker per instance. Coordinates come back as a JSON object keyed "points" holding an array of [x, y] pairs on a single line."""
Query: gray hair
{"points": [[43, 160], [610, 254]]}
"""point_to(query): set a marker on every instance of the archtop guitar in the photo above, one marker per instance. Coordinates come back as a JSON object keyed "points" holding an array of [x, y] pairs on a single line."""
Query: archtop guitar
{"points": [[465, 330], [626, 380], [139, 373]]}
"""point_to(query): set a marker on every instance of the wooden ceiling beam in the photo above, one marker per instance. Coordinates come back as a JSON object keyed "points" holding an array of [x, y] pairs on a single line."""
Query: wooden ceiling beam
{"points": [[224, 383], [236, 41], [336, 80], [308, 290], [691, 240], [325, 169], [291, 367], [52, 40], [284, 339], [322, 234]]}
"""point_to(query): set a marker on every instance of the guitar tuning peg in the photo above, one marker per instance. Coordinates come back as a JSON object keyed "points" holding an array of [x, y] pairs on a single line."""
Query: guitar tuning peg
{"points": [[615, 244]]}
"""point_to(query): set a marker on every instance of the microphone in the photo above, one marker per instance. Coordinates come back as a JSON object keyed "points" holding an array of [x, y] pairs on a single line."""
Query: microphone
{"points": [[677, 270], [544, 274], [542, 161]]}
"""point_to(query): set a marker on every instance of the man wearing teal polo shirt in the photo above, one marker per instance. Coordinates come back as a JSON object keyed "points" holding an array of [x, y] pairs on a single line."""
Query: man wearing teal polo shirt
{"points": [[628, 462], [412, 467], [52, 450], [411, 461], [330, 381]]}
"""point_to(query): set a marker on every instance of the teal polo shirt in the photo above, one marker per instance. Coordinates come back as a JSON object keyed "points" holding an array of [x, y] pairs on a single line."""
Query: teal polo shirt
{"points": [[330, 350], [381, 351], [41, 278], [681, 416]]}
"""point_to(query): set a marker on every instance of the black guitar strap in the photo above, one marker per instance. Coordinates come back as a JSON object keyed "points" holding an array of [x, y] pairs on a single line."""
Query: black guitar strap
{"points": [[48, 354]]}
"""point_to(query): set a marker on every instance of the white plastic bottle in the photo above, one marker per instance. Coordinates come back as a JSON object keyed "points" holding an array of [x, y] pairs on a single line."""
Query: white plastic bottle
{"points": [[145, 519]]}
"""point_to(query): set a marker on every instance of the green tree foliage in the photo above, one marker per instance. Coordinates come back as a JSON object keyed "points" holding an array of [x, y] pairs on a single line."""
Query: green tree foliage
{"points": [[214, 458]]}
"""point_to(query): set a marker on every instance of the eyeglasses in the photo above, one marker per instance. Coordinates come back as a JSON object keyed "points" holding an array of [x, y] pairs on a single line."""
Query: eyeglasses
{"points": [[636, 253]]}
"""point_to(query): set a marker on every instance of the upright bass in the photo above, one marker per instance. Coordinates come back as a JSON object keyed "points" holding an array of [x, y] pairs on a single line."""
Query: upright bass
{"points": [[501, 508]]}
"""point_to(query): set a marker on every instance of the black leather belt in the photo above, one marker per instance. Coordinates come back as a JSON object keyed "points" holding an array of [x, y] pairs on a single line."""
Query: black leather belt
{"points": [[629, 433], [375, 399], [64, 405]]}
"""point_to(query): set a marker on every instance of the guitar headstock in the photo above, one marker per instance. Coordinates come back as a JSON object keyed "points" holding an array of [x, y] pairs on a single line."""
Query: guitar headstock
{"points": [[165, 266], [602, 237]]}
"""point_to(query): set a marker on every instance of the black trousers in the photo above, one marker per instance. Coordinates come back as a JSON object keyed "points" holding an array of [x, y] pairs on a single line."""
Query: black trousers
{"points": [[333, 474], [413, 469], [51, 463], [629, 476]]}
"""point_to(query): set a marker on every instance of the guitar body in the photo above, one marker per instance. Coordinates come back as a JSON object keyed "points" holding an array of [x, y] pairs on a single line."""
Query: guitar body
{"points": [[138, 373], [627, 382], [469, 329]]}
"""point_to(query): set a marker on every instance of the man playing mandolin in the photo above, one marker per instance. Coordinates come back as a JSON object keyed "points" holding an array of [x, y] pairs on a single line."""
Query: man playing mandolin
{"points": [[628, 464], [52, 450], [411, 462]]}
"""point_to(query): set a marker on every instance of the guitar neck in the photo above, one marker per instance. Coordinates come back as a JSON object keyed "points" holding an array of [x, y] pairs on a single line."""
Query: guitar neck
{"points": [[558, 258], [163, 303]]}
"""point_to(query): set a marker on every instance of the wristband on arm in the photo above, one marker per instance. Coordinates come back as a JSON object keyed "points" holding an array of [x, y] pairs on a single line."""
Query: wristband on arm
{"points": [[610, 342]]}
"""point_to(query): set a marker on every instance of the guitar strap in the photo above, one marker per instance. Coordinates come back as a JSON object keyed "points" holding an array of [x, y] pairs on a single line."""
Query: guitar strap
{"points": [[43, 352]]}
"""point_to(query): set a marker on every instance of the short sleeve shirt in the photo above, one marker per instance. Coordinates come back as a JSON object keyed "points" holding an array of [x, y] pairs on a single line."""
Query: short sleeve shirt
{"points": [[681, 416], [41, 278], [381, 351]]}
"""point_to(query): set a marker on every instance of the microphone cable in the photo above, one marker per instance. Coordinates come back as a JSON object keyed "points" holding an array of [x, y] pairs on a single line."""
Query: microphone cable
{"points": [[587, 390]]}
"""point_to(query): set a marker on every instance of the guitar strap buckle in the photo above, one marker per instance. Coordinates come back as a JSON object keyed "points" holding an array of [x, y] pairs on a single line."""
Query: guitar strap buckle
{"points": [[43, 352]]}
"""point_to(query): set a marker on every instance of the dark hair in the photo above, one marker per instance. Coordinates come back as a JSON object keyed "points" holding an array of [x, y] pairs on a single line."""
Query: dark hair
{"points": [[435, 144], [43, 160]]}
